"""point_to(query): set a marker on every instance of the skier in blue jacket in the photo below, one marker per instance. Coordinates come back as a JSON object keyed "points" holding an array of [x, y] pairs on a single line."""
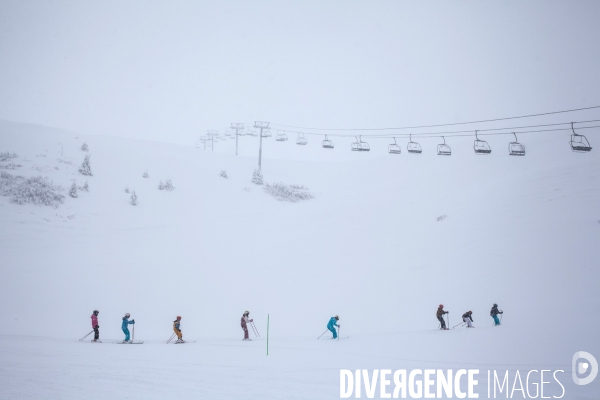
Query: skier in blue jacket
{"points": [[332, 323], [124, 326]]}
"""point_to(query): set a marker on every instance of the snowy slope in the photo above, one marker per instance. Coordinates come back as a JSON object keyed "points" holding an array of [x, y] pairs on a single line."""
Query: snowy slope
{"points": [[520, 231]]}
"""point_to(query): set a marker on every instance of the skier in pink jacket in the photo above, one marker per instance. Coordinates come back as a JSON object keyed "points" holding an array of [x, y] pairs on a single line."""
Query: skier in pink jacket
{"points": [[95, 325]]}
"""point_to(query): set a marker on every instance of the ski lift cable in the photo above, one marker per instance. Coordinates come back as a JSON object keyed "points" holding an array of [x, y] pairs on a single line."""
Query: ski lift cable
{"points": [[461, 133], [439, 125]]}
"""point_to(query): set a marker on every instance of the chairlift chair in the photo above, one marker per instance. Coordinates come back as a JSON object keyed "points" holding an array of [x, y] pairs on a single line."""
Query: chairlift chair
{"points": [[394, 148], [359, 145], [481, 146], [327, 144], [515, 148], [579, 143], [413, 147], [266, 133], [443, 149], [281, 136], [301, 140]]}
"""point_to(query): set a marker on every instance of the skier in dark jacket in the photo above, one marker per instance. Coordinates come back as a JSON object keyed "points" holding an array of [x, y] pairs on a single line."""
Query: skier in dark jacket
{"points": [[494, 313], [468, 318], [244, 322], [95, 325], [440, 316], [124, 326]]}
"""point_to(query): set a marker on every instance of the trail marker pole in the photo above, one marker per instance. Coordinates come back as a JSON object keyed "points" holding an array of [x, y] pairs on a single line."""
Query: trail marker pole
{"points": [[267, 334]]}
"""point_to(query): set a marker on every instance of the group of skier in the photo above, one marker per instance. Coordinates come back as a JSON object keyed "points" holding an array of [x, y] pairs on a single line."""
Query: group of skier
{"points": [[466, 317], [245, 321]]}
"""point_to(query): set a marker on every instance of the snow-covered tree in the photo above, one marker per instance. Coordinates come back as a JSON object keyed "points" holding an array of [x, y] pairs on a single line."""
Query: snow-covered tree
{"points": [[85, 187], [84, 147], [127, 189], [85, 168], [73, 190], [134, 199], [223, 174], [257, 177], [167, 185], [146, 174]]}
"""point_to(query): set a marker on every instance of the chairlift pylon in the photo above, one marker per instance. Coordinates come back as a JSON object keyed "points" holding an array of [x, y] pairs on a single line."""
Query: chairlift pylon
{"points": [[413, 147], [579, 143], [359, 145], [481, 146], [443, 149], [301, 140], [394, 148], [515, 148], [326, 143]]}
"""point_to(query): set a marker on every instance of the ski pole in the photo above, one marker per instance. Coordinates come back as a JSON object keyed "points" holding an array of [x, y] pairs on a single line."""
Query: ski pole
{"points": [[339, 330], [171, 338], [458, 325], [133, 334], [86, 336], [256, 329], [323, 333]]}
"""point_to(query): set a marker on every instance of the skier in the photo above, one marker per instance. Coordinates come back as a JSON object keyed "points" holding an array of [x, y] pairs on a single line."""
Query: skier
{"points": [[95, 325], [126, 322], [177, 329], [331, 324], [245, 320], [494, 313], [467, 317], [440, 316]]}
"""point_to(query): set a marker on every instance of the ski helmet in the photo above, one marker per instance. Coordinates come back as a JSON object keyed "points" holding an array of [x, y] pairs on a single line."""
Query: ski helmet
{"points": [[246, 312], [178, 317], [441, 306], [495, 305], [336, 317], [127, 315], [470, 312], [96, 312]]}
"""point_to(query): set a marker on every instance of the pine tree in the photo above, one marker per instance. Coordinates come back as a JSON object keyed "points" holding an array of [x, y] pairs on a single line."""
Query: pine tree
{"points": [[85, 168], [146, 174], [257, 177], [73, 191], [84, 147], [134, 199], [127, 189]]}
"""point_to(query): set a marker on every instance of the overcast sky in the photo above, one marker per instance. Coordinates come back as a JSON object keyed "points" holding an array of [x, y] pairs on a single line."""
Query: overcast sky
{"points": [[170, 70]]}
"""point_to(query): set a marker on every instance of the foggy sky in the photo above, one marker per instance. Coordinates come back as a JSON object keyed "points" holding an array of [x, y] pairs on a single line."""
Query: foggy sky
{"points": [[170, 70]]}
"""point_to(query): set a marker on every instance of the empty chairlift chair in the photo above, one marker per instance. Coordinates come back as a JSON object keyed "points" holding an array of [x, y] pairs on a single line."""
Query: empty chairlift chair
{"points": [[515, 148], [359, 145], [481, 146], [301, 140], [579, 143], [394, 148], [266, 133], [444, 149], [281, 136], [327, 144], [413, 147]]}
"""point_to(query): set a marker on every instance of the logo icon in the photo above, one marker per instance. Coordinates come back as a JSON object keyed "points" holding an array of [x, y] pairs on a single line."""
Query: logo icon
{"points": [[581, 367]]}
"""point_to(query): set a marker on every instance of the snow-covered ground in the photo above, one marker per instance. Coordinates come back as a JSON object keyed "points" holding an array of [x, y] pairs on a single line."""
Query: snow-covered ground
{"points": [[519, 231]]}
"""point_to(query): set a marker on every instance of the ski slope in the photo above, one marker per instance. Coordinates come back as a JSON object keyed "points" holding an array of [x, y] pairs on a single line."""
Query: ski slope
{"points": [[519, 231]]}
